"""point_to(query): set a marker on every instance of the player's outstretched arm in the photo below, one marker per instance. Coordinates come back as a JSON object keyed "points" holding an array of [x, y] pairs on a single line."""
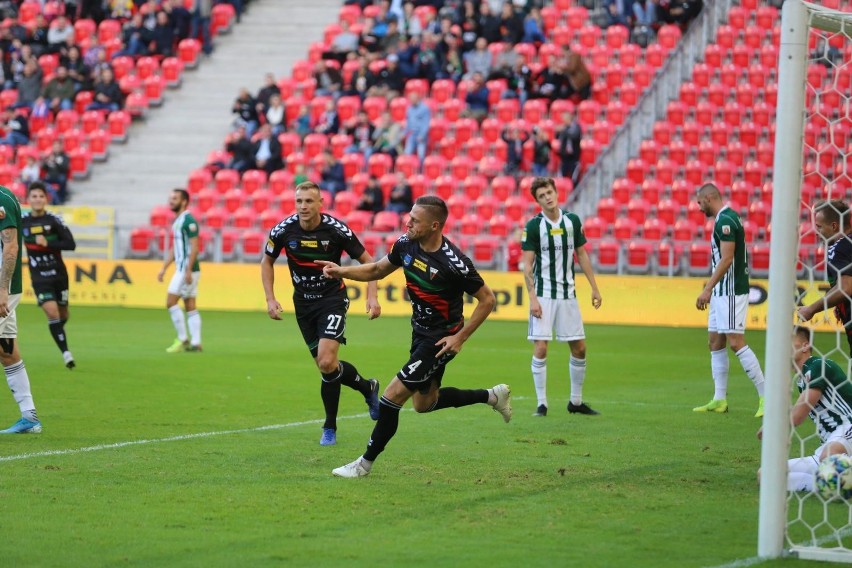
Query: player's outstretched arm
{"points": [[267, 276], [485, 305], [360, 273], [586, 266], [840, 292], [373, 306]]}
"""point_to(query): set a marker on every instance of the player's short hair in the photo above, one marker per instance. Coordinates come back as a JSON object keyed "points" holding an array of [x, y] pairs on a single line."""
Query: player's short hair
{"points": [[539, 183], [308, 186], [710, 190], [803, 332], [436, 206], [834, 211], [37, 185], [184, 194]]}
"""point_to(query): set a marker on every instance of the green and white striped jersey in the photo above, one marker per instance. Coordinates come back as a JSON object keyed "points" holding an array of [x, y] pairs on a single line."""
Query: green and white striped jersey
{"points": [[834, 407], [729, 228], [184, 228], [553, 243]]}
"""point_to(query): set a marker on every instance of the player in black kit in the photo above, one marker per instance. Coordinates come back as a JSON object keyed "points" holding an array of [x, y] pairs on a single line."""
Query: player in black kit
{"points": [[321, 303], [831, 222], [46, 236], [437, 275]]}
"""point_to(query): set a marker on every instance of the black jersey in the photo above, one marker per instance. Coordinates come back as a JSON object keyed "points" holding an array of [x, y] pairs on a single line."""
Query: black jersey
{"points": [[327, 241], [436, 282], [46, 261], [839, 257]]}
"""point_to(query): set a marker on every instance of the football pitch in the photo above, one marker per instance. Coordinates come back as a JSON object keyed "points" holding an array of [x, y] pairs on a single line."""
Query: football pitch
{"points": [[212, 459]]}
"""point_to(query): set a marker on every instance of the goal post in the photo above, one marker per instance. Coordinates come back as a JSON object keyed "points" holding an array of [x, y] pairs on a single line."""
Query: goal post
{"points": [[800, 21]]}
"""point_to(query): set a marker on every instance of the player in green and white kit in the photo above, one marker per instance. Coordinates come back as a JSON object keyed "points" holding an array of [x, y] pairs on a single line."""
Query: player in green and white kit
{"points": [[826, 397], [549, 243], [184, 283], [11, 242], [726, 294]]}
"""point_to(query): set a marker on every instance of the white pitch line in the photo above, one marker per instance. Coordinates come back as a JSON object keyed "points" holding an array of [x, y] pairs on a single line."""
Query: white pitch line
{"points": [[758, 560]]}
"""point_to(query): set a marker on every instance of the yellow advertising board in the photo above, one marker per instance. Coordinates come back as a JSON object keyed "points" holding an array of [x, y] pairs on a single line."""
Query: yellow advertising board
{"points": [[627, 300]]}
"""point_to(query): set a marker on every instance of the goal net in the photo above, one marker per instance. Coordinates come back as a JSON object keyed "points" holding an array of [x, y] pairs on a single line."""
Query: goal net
{"points": [[812, 162]]}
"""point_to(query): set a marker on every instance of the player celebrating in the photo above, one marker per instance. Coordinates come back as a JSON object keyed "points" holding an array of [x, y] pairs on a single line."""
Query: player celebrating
{"points": [[321, 303], [826, 397], [549, 242], [831, 221], [46, 236], [726, 294], [437, 275], [184, 283], [10, 296]]}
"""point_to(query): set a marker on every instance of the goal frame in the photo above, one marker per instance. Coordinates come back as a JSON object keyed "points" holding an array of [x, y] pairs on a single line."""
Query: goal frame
{"points": [[797, 19]]}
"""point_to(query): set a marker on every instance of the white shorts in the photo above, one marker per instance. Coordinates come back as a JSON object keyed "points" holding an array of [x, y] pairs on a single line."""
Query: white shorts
{"points": [[562, 316], [9, 324], [810, 464], [727, 314], [178, 287]]}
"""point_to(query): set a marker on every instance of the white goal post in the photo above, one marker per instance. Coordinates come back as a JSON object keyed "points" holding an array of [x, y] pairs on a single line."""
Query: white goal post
{"points": [[799, 20]]}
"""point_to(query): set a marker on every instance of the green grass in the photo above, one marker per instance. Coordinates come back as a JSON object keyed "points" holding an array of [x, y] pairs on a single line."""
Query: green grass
{"points": [[647, 483]]}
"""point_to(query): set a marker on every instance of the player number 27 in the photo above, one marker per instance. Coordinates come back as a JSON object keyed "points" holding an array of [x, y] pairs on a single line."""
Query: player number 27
{"points": [[334, 322]]}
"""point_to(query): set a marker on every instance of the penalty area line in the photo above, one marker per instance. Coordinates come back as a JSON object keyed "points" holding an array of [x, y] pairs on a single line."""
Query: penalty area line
{"points": [[181, 437]]}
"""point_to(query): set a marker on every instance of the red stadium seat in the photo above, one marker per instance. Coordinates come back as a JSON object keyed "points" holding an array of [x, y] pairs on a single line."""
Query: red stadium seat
{"points": [[607, 256], [344, 203], [625, 228], [622, 190], [668, 258], [188, 52], [699, 259], [608, 208], [251, 245], [595, 227], [639, 255], [141, 242], [386, 221], [638, 209]]}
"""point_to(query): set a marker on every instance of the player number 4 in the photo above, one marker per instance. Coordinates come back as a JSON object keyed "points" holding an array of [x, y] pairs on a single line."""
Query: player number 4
{"points": [[411, 368]]}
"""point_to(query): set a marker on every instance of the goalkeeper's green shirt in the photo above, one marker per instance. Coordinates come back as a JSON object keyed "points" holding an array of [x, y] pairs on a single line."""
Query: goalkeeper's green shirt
{"points": [[834, 407]]}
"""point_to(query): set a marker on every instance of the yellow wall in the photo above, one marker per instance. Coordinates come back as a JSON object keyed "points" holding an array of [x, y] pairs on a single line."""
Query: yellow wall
{"points": [[632, 300]]}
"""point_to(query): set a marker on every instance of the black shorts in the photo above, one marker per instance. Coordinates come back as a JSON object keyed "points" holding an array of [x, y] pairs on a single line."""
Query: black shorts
{"points": [[55, 290], [323, 318], [424, 368]]}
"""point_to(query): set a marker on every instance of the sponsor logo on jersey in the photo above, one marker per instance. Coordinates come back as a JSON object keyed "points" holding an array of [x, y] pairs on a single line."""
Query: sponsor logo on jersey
{"points": [[325, 244], [270, 246], [524, 236], [309, 244], [293, 244], [296, 278], [193, 227], [2, 212], [556, 232], [726, 229], [406, 260], [432, 272], [420, 265]]}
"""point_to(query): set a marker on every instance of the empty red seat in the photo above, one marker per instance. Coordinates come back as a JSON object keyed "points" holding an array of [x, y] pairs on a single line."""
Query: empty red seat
{"points": [[699, 259], [386, 221], [608, 208], [622, 190], [639, 255], [625, 228], [759, 213], [226, 180], [638, 209], [141, 241], [607, 256], [251, 244], [595, 227], [188, 52]]}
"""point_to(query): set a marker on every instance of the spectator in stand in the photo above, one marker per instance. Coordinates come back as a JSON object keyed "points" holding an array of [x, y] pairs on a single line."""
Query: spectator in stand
{"points": [[343, 44], [267, 150], [78, 71], [644, 12], [569, 146], [489, 24], [19, 54], [417, 120], [6, 81], [369, 43], [579, 84], [59, 91], [382, 20], [269, 88], [387, 137], [679, 12], [58, 34], [541, 153], [533, 27], [451, 58], [162, 36], [511, 24], [520, 84], [401, 199], [477, 98], [200, 23], [300, 176], [38, 38], [329, 81], [57, 166], [242, 150], [332, 176], [361, 81], [389, 82], [550, 84], [275, 115], [302, 123], [428, 58], [329, 121], [467, 21], [505, 62], [615, 12], [17, 128], [31, 171], [410, 26], [515, 138], [392, 40], [135, 37], [478, 60], [430, 24], [29, 87], [361, 131], [245, 107], [372, 199]]}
